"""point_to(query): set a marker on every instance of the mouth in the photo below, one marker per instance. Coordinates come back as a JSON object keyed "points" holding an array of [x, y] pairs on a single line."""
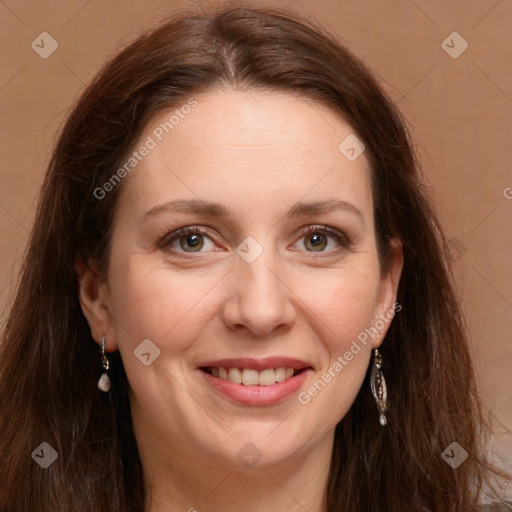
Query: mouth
{"points": [[252, 376], [260, 382]]}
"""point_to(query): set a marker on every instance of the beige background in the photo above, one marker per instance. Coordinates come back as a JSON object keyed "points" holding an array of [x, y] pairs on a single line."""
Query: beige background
{"points": [[459, 110]]}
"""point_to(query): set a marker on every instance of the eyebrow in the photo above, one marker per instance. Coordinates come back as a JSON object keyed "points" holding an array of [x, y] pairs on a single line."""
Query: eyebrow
{"points": [[299, 209]]}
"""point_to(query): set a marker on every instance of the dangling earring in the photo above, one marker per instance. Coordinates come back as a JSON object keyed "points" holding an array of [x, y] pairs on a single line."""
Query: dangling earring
{"points": [[104, 382], [378, 385]]}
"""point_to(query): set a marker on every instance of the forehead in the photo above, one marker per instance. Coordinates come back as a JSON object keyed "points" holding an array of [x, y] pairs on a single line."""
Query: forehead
{"points": [[255, 120], [249, 148]]}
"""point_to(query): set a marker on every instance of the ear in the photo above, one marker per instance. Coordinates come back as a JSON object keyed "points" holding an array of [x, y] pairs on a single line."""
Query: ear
{"points": [[94, 301], [385, 307]]}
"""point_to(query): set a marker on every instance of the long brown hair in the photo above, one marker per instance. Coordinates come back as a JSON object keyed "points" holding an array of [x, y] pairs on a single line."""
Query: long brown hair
{"points": [[50, 363]]}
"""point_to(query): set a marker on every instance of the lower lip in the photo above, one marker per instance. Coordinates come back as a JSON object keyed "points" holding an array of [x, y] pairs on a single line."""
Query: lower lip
{"points": [[258, 395]]}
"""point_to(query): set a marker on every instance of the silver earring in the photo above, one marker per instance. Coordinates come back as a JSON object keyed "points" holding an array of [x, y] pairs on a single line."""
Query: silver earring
{"points": [[104, 382], [378, 385]]}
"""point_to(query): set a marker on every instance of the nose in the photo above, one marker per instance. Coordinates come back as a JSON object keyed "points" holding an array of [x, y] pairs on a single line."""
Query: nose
{"points": [[260, 300]]}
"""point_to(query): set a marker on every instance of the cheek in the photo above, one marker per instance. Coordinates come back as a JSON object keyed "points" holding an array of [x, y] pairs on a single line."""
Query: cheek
{"points": [[346, 307], [172, 307], [148, 301], [345, 304]]}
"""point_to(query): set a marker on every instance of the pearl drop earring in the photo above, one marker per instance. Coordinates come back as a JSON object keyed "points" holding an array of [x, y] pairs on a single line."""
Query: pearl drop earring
{"points": [[104, 382]]}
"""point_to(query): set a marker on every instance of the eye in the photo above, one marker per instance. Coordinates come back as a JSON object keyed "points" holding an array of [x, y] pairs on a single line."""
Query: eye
{"points": [[316, 237], [191, 237]]}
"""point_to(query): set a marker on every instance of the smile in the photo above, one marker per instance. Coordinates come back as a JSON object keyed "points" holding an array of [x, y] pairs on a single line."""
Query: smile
{"points": [[255, 382], [252, 377]]}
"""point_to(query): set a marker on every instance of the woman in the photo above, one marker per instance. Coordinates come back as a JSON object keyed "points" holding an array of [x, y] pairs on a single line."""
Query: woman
{"points": [[311, 356]]}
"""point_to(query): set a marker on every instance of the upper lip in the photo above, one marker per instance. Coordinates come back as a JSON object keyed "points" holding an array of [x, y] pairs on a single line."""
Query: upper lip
{"points": [[256, 364]]}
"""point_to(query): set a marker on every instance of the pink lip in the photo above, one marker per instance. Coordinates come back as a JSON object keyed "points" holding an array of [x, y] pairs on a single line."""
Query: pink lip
{"points": [[258, 395], [256, 364]]}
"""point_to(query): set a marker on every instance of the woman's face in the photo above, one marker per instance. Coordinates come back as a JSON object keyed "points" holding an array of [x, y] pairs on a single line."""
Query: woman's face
{"points": [[258, 292]]}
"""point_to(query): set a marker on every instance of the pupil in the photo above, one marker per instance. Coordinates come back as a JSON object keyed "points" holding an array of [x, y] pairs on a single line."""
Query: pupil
{"points": [[316, 240], [191, 242]]}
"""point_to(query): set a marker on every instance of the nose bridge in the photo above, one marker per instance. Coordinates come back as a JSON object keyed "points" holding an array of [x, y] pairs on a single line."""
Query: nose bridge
{"points": [[258, 278], [261, 276]]}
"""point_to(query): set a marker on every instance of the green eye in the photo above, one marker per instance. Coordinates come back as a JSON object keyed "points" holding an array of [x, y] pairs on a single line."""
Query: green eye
{"points": [[317, 234], [191, 239]]}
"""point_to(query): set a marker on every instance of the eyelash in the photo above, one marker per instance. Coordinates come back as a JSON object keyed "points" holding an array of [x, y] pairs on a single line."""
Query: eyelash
{"points": [[169, 238]]}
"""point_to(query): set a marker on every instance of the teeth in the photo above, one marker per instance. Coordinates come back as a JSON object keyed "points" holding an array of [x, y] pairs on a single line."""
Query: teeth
{"points": [[250, 377], [235, 375], [280, 374], [266, 377]]}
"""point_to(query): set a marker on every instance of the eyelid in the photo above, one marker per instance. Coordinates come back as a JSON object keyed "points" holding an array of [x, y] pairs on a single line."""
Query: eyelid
{"points": [[341, 237], [338, 235], [181, 232]]}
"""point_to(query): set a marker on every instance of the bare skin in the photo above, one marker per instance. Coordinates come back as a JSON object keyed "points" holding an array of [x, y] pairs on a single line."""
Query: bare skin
{"points": [[306, 296]]}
